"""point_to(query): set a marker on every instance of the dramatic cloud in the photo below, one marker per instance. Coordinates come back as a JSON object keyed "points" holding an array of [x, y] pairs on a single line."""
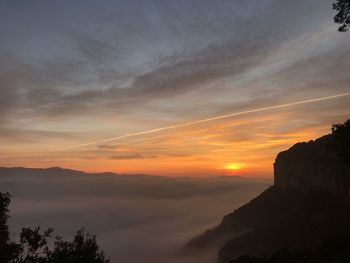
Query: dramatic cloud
{"points": [[78, 72]]}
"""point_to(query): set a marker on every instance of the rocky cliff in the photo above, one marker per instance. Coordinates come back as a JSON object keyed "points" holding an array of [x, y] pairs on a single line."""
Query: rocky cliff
{"points": [[315, 165], [309, 201]]}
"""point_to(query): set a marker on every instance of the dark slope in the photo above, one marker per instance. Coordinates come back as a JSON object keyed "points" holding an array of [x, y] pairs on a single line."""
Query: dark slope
{"points": [[291, 219], [275, 219]]}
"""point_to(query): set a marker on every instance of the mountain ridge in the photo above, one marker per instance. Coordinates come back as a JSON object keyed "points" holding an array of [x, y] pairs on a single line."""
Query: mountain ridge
{"points": [[60, 171]]}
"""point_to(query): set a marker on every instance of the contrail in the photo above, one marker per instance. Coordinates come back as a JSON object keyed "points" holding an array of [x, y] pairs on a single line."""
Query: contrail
{"points": [[228, 115]]}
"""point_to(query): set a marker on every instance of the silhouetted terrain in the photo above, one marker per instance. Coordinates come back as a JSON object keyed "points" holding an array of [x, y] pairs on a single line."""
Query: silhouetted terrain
{"points": [[308, 203], [37, 246], [335, 249]]}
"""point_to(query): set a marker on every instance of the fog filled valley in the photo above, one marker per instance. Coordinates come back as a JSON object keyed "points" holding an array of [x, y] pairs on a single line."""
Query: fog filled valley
{"points": [[136, 218]]}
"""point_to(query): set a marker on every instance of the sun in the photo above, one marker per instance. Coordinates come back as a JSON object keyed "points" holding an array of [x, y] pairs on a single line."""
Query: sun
{"points": [[233, 166]]}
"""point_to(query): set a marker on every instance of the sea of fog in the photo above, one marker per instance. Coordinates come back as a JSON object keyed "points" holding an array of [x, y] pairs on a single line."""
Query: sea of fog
{"points": [[135, 218]]}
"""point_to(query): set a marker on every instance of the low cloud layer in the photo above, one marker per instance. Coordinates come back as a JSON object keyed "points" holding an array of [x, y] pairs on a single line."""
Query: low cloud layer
{"points": [[135, 218]]}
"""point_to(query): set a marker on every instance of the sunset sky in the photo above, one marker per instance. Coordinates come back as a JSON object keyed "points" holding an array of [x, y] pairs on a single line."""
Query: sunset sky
{"points": [[136, 86]]}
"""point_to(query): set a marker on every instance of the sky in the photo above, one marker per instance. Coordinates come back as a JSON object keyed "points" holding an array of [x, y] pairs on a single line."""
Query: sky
{"points": [[136, 86]]}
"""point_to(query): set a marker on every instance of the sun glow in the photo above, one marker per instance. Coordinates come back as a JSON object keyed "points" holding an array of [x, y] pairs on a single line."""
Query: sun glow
{"points": [[233, 166]]}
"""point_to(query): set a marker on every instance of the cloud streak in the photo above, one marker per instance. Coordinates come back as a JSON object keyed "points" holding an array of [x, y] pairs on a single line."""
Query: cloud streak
{"points": [[71, 76], [228, 115]]}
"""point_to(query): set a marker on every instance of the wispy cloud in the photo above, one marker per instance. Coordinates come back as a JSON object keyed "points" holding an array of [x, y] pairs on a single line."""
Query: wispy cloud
{"points": [[125, 67]]}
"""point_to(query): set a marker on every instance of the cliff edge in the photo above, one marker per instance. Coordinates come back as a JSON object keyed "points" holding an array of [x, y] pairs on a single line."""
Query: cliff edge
{"points": [[313, 166]]}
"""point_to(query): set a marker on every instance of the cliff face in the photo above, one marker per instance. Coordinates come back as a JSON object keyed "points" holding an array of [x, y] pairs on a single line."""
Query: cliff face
{"points": [[315, 165]]}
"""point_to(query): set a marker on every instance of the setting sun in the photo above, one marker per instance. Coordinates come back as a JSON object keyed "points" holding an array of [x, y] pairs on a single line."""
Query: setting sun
{"points": [[233, 166]]}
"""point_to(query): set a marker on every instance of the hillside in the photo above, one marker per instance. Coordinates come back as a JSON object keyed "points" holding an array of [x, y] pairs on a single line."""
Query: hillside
{"points": [[309, 201]]}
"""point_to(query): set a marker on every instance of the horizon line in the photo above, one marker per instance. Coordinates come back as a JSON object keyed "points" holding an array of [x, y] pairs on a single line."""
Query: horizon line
{"points": [[181, 175]]}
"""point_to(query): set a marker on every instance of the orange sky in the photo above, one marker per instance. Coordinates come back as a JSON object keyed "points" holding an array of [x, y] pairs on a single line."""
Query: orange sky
{"points": [[71, 78], [243, 145]]}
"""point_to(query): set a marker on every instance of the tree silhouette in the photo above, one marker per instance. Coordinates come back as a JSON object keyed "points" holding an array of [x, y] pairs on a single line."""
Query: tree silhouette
{"points": [[34, 244], [343, 15], [341, 135], [8, 250]]}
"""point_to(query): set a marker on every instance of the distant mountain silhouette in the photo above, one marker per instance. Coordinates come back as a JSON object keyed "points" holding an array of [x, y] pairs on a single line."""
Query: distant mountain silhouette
{"points": [[57, 171], [52, 171], [63, 172], [308, 203]]}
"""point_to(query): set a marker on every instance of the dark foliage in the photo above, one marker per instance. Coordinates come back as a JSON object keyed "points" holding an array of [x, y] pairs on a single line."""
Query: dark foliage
{"points": [[341, 134], [36, 246], [83, 249], [343, 15], [8, 250]]}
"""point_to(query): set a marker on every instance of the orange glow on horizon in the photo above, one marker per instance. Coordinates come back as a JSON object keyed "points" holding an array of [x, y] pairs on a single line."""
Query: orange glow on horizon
{"points": [[233, 166], [190, 152], [244, 145]]}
